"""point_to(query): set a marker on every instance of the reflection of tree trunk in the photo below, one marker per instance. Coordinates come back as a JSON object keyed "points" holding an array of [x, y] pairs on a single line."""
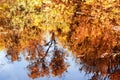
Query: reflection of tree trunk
{"points": [[52, 41], [48, 49]]}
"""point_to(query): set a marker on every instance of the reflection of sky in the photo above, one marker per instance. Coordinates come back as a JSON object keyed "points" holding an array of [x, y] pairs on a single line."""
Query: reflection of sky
{"points": [[17, 70]]}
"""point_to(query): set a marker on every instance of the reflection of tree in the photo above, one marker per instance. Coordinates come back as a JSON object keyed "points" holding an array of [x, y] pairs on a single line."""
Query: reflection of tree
{"points": [[16, 41], [102, 67], [92, 38], [115, 75], [12, 53], [36, 57], [39, 66], [12, 45], [57, 65], [38, 69], [37, 54], [35, 50], [34, 71]]}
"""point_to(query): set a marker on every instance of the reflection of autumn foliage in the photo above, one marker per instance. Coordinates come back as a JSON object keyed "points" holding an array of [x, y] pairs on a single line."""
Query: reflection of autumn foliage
{"points": [[12, 45], [39, 66], [13, 53], [36, 57], [90, 28], [38, 69], [58, 66], [101, 68], [93, 39], [16, 41], [34, 71], [115, 75], [35, 50]]}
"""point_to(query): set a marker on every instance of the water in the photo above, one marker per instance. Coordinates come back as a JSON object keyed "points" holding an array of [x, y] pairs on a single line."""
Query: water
{"points": [[18, 70], [50, 61]]}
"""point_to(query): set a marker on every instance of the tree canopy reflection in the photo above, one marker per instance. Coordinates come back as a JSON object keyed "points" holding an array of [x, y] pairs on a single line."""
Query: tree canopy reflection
{"points": [[36, 54], [88, 28]]}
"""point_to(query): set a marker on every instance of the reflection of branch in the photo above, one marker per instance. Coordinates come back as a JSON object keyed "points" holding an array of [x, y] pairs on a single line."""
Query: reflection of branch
{"points": [[48, 48], [51, 42], [47, 43]]}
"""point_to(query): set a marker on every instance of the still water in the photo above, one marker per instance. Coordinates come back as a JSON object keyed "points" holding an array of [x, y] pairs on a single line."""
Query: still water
{"points": [[17, 70], [23, 69], [53, 62]]}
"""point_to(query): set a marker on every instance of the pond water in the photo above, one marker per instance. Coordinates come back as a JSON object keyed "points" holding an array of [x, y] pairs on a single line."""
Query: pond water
{"points": [[23, 69], [53, 62], [18, 70]]}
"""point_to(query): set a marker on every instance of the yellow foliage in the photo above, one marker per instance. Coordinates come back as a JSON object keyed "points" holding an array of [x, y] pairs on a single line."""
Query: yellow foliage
{"points": [[90, 2]]}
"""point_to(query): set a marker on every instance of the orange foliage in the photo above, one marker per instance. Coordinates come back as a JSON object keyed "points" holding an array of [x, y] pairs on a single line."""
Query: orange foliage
{"points": [[115, 75], [90, 28], [57, 65], [91, 31]]}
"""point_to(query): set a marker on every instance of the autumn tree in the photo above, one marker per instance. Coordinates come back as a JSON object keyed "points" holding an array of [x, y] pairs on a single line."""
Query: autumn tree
{"points": [[92, 30]]}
